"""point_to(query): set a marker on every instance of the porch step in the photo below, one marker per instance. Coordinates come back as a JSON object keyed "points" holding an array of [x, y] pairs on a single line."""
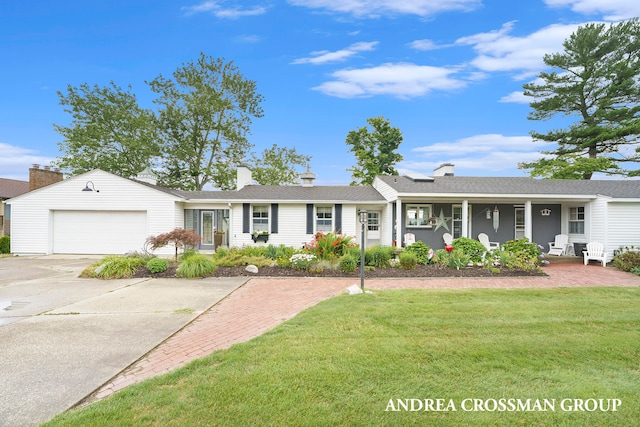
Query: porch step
{"points": [[563, 259]]}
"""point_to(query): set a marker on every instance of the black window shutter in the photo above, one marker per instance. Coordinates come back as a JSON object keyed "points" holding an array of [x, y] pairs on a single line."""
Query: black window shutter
{"points": [[309, 219], [246, 218], [274, 218], [338, 226]]}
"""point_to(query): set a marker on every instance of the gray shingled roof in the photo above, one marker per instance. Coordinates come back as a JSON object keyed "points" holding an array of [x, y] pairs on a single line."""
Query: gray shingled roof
{"points": [[12, 188], [514, 185], [344, 193]]}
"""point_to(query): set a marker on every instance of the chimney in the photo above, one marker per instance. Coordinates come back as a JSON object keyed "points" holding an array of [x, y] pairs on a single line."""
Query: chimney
{"points": [[307, 178], [147, 176], [445, 169], [244, 177], [39, 178]]}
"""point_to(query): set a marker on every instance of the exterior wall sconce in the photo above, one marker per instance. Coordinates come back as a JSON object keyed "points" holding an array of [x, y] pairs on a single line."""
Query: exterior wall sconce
{"points": [[545, 212], [93, 188], [488, 212]]}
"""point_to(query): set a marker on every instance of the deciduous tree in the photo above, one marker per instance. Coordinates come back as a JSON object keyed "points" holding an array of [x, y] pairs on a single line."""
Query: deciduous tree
{"points": [[108, 131], [276, 166], [204, 120], [375, 150]]}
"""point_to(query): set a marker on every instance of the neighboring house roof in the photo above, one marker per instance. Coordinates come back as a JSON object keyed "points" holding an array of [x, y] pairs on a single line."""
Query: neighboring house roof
{"points": [[12, 188], [441, 185], [291, 193]]}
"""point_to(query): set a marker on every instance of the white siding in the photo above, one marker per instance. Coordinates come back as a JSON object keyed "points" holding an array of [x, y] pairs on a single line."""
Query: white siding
{"points": [[624, 225], [596, 221], [387, 192], [31, 226]]}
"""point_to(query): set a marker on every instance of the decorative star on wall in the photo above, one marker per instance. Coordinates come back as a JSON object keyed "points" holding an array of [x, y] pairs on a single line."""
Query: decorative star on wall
{"points": [[442, 221]]}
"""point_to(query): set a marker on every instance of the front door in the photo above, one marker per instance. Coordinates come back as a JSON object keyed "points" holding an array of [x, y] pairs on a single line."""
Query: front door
{"points": [[373, 225], [214, 227], [519, 227]]}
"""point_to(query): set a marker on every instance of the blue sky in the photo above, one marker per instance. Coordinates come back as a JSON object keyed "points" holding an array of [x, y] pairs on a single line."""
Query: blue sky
{"points": [[448, 73]]}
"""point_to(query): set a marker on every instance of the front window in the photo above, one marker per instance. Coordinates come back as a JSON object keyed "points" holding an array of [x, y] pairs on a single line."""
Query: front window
{"points": [[261, 218], [418, 215], [324, 219], [373, 221], [576, 220], [457, 221]]}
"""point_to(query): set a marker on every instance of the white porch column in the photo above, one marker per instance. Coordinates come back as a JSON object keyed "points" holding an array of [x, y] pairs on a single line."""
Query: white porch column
{"points": [[398, 225], [465, 218], [528, 221]]}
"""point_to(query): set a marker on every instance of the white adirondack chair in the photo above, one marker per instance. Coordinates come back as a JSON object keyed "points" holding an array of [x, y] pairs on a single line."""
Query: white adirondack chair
{"points": [[448, 238], [559, 246], [409, 239], [484, 239], [595, 251]]}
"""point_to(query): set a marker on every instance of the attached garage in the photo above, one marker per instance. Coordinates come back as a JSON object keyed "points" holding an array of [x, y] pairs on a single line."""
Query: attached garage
{"points": [[92, 232]]}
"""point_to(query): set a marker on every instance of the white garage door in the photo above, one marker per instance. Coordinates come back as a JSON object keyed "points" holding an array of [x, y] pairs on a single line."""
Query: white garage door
{"points": [[98, 232]]}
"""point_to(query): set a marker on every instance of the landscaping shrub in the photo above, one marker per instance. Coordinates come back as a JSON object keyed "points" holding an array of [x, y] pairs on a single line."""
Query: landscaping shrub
{"points": [[253, 251], [198, 265], [627, 258], [157, 265], [116, 267], [179, 237], [408, 260], [441, 257], [470, 247], [354, 251], [188, 253], [378, 256], [421, 250], [302, 261], [458, 259], [522, 254], [221, 252], [329, 245], [5, 245], [238, 257], [348, 263]]}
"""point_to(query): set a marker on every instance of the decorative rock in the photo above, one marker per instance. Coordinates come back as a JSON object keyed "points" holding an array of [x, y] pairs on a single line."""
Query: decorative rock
{"points": [[354, 290], [99, 269], [251, 269]]}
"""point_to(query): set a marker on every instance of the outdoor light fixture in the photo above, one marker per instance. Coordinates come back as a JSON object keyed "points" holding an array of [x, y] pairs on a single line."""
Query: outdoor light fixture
{"points": [[488, 213], [363, 217], [93, 188]]}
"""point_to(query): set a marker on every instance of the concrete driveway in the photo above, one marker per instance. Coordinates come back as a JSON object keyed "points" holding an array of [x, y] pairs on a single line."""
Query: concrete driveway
{"points": [[62, 337]]}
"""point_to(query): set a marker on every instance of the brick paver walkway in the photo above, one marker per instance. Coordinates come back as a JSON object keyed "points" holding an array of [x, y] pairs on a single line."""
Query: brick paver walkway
{"points": [[263, 303]]}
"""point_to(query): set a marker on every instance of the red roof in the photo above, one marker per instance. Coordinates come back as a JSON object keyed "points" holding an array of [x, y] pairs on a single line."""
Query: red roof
{"points": [[12, 188]]}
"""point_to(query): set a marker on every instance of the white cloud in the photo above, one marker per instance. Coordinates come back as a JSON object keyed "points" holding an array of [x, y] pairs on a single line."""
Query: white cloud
{"points": [[517, 98], [325, 56], [16, 161], [249, 39], [402, 80], [424, 44], [216, 8], [498, 51], [375, 8], [611, 10], [487, 154]]}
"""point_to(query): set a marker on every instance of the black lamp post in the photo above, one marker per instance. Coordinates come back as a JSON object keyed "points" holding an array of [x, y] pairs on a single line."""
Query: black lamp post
{"points": [[362, 216]]}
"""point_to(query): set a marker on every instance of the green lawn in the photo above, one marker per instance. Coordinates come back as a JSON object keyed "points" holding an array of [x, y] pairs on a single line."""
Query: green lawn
{"points": [[343, 361]]}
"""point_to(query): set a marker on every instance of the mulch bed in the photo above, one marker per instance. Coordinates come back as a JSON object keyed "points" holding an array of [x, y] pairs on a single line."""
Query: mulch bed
{"points": [[431, 270]]}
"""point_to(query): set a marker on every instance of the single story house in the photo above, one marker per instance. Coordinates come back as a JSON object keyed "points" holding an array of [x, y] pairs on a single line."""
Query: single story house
{"points": [[99, 212]]}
